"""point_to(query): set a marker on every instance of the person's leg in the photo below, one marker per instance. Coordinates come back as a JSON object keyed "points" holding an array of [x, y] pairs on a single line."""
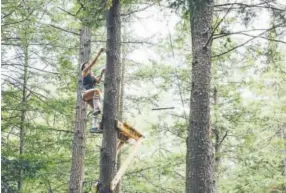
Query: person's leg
{"points": [[94, 122], [88, 97], [96, 104], [90, 103], [95, 128], [97, 111]]}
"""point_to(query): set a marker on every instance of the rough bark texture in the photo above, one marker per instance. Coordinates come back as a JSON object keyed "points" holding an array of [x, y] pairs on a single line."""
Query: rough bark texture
{"points": [[199, 173], [77, 169], [120, 110], [111, 93], [23, 116]]}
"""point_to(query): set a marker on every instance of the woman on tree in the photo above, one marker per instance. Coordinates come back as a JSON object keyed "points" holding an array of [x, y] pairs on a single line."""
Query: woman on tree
{"points": [[91, 94]]}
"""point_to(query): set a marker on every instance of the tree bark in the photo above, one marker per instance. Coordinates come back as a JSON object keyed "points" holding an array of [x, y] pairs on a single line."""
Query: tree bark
{"points": [[199, 169], [111, 93], [23, 116], [120, 109], [79, 140]]}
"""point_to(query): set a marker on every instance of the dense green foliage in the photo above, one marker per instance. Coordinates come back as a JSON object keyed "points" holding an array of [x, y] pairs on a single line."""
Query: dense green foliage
{"points": [[39, 54]]}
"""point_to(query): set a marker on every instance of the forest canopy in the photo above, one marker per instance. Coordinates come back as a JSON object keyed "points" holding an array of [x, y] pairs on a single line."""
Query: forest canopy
{"points": [[203, 81]]}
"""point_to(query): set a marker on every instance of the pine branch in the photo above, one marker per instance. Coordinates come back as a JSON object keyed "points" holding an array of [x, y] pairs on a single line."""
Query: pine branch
{"points": [[8, 14], [59, 28], [136, 11], [217, 25], [25, 19], [37, 95], [58, 130], [269, 39], [223, 138], [69, 13], [246, 42], [264, 5], [217, 36], [163, 108], [127, 42], [15, 64]]}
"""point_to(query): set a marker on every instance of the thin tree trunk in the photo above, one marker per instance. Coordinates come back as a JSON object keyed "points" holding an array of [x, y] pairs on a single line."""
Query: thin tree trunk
{"points": [[23, 117], [120, 110], [273, 50], [283, 137], [79, 140], [111, 93], [217, 132], [199, 173]]}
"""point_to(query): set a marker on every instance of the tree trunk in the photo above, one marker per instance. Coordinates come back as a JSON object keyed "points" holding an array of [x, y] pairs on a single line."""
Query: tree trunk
{"points": [[77, 169], [283, 137], [120, 110], [23, 117], [217, 133], [111, 93], [199, 173]]}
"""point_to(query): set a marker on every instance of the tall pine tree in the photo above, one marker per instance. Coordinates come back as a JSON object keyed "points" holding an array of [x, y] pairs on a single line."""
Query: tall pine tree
{"points": [[111, 94], [200, 174]]}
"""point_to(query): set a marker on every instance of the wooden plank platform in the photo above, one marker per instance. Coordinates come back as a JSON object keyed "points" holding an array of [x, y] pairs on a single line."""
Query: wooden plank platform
{"points": [[127, 131], [122, 137]]}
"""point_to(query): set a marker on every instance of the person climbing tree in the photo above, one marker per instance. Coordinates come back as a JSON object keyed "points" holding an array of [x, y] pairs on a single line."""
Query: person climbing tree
{"points": [[92, 95]]}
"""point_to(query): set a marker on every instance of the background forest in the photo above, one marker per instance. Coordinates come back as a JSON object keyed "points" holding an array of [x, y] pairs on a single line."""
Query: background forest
{"points": [[40, 43]]}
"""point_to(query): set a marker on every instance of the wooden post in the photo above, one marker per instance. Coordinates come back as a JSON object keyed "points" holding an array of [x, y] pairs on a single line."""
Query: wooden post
{"points": [[119, 147]]}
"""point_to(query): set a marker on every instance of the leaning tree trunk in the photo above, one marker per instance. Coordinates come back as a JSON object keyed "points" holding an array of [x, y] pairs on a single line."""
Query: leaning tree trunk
{"points": [[77, 169], [111, 93], [200, 174]]}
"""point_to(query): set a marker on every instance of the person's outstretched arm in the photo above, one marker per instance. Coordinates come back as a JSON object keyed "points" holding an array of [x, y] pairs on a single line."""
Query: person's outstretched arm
{"points": [[90, 65], [98, 79]]}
